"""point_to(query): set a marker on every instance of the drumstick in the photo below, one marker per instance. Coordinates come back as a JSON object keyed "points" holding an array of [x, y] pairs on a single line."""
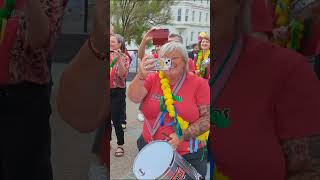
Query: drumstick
{"points": [[168, 137]]}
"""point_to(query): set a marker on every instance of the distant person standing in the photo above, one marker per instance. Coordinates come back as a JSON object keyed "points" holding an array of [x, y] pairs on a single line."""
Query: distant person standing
{"points": [[118, 73], [194, 52], [203, 56]]}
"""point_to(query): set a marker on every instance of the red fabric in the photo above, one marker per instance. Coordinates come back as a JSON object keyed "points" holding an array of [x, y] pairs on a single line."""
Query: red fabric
{"points": [[194, 92], [5, 49], [311, 45], [192, 67], [272, 95], [127, 53], [23, 62], [261, 17], [116, 79], [7, 44]]}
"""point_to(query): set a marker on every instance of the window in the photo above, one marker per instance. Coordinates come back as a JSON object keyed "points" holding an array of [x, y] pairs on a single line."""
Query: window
{"points": [[206, 17], [191, 36], [200, 13], [179, 15], [187, 15], [192, 15], [207, 1], [201, 1]]}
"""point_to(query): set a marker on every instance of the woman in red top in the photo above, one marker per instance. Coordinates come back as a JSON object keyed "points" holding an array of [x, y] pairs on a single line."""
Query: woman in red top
{"points": [[194, 108], [28, 32], [119, 67], [203, 55]]}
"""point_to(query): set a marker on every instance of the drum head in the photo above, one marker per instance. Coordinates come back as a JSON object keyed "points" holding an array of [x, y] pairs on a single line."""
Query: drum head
{"points": [[153, 160]]}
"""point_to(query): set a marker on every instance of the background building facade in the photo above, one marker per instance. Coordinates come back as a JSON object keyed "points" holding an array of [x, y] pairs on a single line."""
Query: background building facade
{"points": [[189, 18]]}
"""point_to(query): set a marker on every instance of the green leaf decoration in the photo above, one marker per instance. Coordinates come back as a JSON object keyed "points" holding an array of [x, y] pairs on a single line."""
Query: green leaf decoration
{"points": [[219, 119], [177, 98]]}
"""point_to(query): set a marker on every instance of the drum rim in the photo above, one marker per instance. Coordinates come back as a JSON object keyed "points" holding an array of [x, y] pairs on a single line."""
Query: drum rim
{"points": [[152, 142]]}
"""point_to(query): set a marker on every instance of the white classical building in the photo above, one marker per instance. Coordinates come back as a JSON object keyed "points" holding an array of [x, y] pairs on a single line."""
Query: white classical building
{"points": [[189, 18]]}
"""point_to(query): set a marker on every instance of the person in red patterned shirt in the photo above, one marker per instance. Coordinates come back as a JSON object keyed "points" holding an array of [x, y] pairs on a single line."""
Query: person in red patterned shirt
{"points": [[118, 73], [29, 34]]}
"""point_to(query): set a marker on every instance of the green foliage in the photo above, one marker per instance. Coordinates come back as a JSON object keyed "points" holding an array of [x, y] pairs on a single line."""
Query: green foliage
{"points": [[133, 17]]}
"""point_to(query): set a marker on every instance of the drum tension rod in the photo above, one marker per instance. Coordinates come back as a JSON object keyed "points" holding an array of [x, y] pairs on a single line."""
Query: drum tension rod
{"points": [[141, 171]]}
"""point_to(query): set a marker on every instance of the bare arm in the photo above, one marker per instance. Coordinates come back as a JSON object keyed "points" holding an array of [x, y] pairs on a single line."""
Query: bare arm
{"points": [[38, 31], [143, 44], [82, 96], [136, 90], [200, 126], [302, 158], [141, 50]]}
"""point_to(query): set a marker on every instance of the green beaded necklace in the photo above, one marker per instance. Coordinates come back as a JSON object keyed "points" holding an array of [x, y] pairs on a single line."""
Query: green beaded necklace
{"points": [[112, 63]]}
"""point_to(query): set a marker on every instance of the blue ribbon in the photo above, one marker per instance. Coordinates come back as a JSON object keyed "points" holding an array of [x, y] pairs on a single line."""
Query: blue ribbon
{"points": [[175, 113], [163, 115], [196, 144], [170, 123], [191, 147]]}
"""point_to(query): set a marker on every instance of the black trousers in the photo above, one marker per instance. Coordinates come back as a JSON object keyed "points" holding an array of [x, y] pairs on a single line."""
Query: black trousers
{"points": [[194, 159], [124, 112], [25, 132], [118, 99]]}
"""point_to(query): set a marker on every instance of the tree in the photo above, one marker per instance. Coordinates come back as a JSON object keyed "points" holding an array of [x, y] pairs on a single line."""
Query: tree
{"points": [[133, 17]]}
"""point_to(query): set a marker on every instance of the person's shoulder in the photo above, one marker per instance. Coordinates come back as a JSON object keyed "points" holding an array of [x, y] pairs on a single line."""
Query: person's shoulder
{"points": [[268, 53], [197, 81]]}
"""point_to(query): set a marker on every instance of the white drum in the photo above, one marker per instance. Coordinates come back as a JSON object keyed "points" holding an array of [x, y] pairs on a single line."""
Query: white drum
{"points": [[158, 160]]}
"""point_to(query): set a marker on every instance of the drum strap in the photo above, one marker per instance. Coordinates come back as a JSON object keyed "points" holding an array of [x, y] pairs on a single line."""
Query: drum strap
{"points": [[156, 125]]}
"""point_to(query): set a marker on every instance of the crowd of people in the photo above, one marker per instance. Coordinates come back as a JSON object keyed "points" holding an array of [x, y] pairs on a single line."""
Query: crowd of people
{"points": [[145, 89], [260, 77]]}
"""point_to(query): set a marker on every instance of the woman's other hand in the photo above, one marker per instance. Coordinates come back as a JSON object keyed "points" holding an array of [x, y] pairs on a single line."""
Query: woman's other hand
{"points": [[175, 141]]}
